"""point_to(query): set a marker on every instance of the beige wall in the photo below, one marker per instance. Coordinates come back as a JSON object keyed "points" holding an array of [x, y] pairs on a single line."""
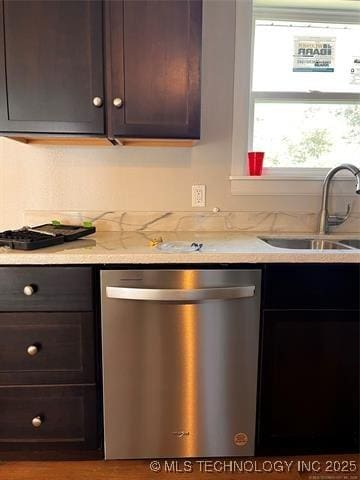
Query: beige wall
{"points": [[106, 178]]}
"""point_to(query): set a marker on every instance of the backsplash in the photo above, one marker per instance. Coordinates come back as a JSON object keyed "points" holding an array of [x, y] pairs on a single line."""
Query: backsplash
{"points": [[167, 221]]}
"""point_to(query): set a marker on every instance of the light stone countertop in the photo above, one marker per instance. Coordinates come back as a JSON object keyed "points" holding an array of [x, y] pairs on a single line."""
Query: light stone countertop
{"points": [[134, 248]]}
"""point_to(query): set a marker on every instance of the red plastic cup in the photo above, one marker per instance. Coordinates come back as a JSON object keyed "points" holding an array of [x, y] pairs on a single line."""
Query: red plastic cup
{"points": [[255, 162]]}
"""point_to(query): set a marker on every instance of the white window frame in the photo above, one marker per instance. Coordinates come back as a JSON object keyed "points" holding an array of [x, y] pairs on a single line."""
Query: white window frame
{"points": [[279, 181]]}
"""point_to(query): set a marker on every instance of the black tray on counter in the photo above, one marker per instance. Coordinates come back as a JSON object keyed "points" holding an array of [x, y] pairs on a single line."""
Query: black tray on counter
{"points": [[32, 238]]}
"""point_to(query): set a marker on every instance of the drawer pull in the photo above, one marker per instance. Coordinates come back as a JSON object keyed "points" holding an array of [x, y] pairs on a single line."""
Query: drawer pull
{"points": [[117, 102], [97, 102], [29, 290], [32, 350], [37, 421]]}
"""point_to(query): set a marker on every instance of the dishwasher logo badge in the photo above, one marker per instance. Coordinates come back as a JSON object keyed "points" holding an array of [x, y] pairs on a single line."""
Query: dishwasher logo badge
{"points": [[240, 439], [181, 434]]}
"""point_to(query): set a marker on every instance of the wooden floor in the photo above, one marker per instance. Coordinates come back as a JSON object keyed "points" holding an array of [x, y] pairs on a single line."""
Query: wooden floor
{"points": [[141, 470]]}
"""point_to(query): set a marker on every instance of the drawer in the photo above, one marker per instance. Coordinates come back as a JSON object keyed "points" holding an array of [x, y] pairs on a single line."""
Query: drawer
{"points": [[48, 289], [48, 417], [38, 348], [317, 286]]}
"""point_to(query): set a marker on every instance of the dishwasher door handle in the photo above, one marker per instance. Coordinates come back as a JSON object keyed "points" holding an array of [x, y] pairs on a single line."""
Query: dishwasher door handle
{"points": [[180, 295]]}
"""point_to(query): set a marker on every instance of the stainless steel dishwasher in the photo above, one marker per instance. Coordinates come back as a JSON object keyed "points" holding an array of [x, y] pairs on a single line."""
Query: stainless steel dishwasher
{"points": [[180, 354]]}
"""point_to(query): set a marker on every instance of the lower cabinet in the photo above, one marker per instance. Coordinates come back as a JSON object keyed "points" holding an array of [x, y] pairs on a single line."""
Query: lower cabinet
{"points": [[308, 390], [309, 382], [41, 348], [51, 417], [49, 374]]}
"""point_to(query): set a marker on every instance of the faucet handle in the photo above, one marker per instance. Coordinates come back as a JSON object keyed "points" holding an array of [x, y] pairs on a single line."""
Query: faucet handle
{"points": [[334, 220]]}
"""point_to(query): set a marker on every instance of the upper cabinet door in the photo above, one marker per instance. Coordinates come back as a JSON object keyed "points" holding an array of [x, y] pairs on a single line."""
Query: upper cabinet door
{"points": [[153, 62], [51, 66]]}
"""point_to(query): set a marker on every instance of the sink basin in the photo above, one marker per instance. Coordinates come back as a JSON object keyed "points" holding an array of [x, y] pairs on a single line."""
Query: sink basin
{"points": [[354, 242], [311, 243]]}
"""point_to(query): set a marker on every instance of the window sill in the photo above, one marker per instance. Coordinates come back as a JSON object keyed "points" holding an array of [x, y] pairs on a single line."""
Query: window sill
{"points": [[289, 185]]}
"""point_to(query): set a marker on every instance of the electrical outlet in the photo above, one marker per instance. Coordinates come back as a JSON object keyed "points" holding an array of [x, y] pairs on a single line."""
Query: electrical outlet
{"points": [[198, 198]]}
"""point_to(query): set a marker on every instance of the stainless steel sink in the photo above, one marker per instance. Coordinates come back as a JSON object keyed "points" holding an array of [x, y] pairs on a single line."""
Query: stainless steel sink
{"points": [[353, 242], [312, 243]]}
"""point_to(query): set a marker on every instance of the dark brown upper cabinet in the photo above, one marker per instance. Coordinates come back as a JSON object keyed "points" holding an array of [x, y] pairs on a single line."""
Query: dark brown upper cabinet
{"points": [[153, 68], [51, 66], [56, 56]]}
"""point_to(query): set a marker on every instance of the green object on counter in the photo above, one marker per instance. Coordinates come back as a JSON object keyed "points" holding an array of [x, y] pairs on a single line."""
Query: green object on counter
{"points": [[55, 222], [87, 224]]}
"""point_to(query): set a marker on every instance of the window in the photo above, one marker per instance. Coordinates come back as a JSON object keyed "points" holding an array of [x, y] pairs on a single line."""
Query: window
{"points": [[305, 93]]}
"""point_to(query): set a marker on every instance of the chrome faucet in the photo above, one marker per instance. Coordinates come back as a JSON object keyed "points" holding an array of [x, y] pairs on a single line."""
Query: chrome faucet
{"points": [[327, 220]]}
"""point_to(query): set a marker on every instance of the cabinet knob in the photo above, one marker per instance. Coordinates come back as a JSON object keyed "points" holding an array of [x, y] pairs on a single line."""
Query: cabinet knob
{"points": [[37, 421], [117, 102], [29, 290], [97, 102], [32, 350]]}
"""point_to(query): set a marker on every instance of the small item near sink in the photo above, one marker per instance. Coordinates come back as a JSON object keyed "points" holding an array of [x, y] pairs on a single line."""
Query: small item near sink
{"points": [[197, 246], [180, 247], [155, 241]]}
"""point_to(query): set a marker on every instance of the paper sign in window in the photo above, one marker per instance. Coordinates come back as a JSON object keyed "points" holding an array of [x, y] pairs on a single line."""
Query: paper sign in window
{"points": [[314, 54]]}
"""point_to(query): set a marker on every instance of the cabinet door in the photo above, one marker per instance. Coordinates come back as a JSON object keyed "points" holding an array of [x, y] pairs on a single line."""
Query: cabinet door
{"points": [[54, 289], [153, 57], [309, 383], [48, 418], [312, 286], [51, 66], [46, 348]]}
